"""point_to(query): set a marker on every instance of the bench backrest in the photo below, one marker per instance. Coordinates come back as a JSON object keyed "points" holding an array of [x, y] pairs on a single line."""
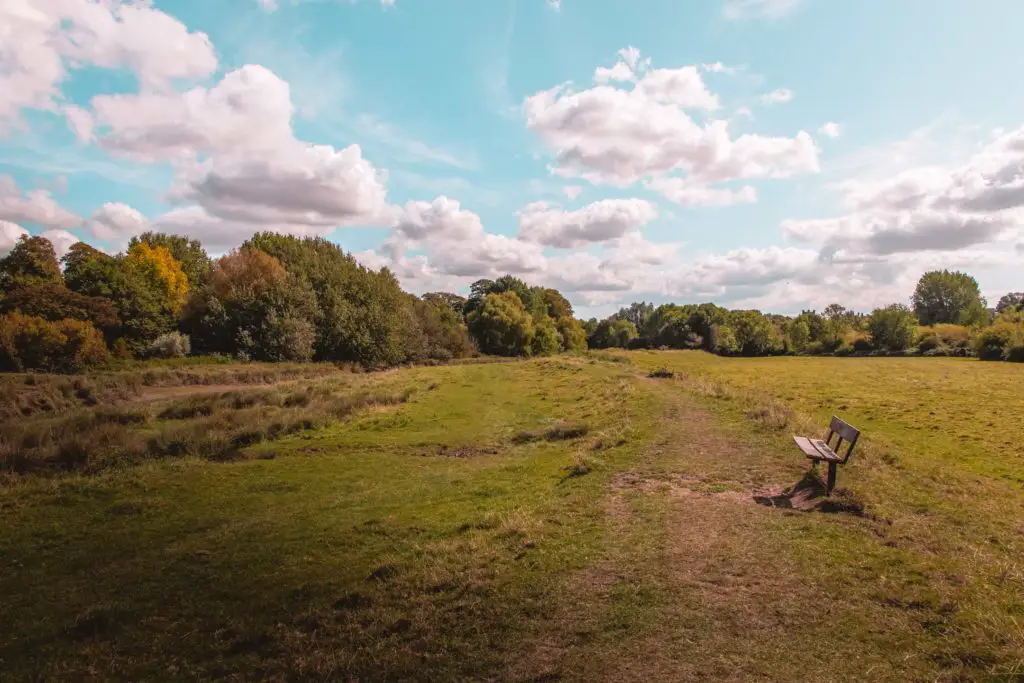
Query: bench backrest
{"points": [[843, 431]]}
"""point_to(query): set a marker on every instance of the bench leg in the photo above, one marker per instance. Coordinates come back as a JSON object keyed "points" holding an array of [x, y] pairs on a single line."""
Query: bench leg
{"points": [[831, 478]]}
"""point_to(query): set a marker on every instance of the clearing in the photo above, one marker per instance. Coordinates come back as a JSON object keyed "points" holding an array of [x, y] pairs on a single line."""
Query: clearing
{"points": [[557, 519]]}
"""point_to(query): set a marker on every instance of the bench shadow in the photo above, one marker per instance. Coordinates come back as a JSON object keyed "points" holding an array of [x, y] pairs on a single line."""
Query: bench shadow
{"points": [[803, 495]]}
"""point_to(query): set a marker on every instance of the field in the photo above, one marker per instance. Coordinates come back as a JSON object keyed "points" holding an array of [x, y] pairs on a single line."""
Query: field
{"points": [[576, 518]]}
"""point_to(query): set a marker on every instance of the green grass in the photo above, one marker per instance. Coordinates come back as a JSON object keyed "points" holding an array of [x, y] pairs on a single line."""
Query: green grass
{"points": [[563, 518]]}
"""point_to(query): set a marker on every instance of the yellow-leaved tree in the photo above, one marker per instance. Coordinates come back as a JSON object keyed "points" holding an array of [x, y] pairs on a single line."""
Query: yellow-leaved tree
{"points": [[160, 267]]}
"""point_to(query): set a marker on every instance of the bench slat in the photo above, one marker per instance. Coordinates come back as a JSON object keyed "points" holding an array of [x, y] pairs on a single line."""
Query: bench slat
{"points": [[844, 429], [816, 449]]}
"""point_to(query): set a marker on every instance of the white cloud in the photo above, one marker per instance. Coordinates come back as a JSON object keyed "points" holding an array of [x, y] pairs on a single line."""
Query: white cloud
{"points": [[10, 233], [777, 96], [759, 9], [40, 41], [608, 134], [299, 184], [554, 4], [687, 194], [831, 129], [601, 221], [34, 206], [572, 191], [273, 5], [116, 223], [249, 109], [443, 218], [61, 240], [930, 209]]}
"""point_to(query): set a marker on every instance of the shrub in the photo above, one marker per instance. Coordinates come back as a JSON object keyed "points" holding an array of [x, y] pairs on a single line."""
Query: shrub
{"points": [[32, 343], [999, 341], [892, 328], [170, 345]]}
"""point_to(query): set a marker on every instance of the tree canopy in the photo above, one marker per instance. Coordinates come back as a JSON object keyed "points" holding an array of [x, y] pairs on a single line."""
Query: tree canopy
{"points": [[952, 297]]}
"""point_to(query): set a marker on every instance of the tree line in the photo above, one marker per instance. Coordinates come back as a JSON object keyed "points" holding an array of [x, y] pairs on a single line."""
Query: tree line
{"points": [[275, 298], [284, 298], [947, 316]]}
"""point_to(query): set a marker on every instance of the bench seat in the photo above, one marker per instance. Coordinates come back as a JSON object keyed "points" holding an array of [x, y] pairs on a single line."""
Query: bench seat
{"points": [[816, 449]]}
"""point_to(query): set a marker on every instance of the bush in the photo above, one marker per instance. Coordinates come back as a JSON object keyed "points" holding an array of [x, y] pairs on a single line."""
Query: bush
{"points": [[892, 328], [170, 345], [32, 343], [999, 341]]}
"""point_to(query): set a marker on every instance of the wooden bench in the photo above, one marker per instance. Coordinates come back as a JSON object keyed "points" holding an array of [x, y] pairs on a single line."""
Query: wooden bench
{"points": [[822, 450]]}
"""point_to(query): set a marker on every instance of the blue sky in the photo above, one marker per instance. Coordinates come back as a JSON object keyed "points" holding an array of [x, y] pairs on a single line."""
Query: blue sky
{"points": [[777, 154]]}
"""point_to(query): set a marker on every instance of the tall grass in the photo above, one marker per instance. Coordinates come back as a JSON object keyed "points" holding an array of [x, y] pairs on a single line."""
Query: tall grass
{"points": [[215, 427]]}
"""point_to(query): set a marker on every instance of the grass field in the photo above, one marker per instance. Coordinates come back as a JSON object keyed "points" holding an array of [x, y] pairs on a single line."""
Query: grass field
{"points": [[558, 519]]}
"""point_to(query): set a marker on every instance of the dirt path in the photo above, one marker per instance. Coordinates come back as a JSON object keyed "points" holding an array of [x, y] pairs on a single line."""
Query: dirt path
{"points": [[698, 581]]}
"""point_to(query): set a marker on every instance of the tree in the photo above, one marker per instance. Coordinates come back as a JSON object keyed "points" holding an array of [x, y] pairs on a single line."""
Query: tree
{"points": [[31, 262], [572, 334], [612, 333], [1014, 301], [253, 308], [32, 343], [437, 330], [501, 325], [636, 313], [892, 327], [144, 308], [799, 334], [56, 302], [363, 315], [754, 333], [546, 340], [944, 296], [162, 270], [454, 301], [194, 260]]}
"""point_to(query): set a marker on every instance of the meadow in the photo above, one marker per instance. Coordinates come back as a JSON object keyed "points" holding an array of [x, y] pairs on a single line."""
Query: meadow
{"points": [[582, 517]]}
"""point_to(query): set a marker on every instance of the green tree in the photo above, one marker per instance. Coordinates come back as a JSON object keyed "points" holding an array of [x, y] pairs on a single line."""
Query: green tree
{"points": [[252, 307], [437, 330], [144, 307], [572, 334], [546, 340], [363, 315], [892, 327], [194, 260], [31, 262], [754, 333], [56, 302], [612, 333], [501, 325], [1014, 301], [637, 313], [799, 334], [944, 296], [454, 301]]}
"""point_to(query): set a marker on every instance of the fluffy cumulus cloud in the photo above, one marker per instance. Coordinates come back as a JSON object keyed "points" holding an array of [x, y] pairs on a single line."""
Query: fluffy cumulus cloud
{"points": [[927, 209], [621, 134], [116, 223], [40, 40], [250, 109], [602, 221], [35, 206]]}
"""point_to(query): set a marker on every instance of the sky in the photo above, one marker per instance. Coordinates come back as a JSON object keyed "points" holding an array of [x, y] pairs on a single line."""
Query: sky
{"points": [[770, 154]]}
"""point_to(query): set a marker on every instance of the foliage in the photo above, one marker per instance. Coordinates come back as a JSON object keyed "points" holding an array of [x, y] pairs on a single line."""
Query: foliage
{"points": [[892, 328], [572, 334], [437, 331], [501, 325], [57, 302], [144, 309], [637, 313], [31, 262], [194, 260], [251, 307], [546, 340], [32, 343], [1014, 301], [361, 314], [755, 335], [453, 301], [162, 270], [170, 345], [944, 296], [1001, 341], [613, 334]]}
